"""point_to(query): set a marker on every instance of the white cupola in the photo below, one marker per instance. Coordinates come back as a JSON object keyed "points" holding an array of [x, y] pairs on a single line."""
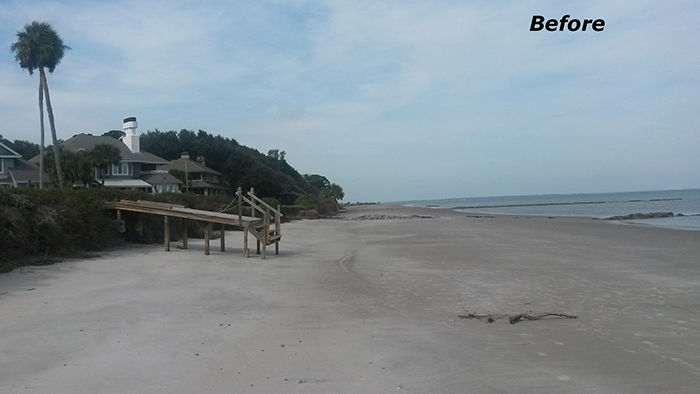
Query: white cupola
{"points": [[131, 139]]}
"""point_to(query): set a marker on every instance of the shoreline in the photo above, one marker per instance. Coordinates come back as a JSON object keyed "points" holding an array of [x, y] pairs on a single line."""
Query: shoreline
{"points": [[368, 306], [636, 221]]}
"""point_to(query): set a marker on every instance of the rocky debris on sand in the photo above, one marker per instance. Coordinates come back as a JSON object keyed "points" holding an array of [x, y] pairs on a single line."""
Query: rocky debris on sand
{"points": [[387, 217], [635, 216]]}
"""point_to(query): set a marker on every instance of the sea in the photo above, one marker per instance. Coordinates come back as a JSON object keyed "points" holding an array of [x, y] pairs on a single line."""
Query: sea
{"points": [[684, 204]]}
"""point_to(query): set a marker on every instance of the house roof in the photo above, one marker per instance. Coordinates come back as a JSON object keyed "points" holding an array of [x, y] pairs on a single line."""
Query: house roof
{"points": [[24, 171], [160, 178], [190, 166], [197, 184], [119, 183], [7, 153], [87, 141]]}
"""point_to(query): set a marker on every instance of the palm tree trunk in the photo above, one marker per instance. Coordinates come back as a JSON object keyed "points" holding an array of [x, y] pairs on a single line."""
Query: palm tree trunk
{"points": [[41, 122], [56, 155]]}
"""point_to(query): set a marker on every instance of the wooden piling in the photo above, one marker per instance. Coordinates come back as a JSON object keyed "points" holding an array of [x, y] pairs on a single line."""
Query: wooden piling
{"points": [[245, 241], [207, 235], [223, 237], [166, 233], [184, 233]]}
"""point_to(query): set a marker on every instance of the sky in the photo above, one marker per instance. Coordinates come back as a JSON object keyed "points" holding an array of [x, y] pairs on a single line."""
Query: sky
{"points": [[392, 100]]}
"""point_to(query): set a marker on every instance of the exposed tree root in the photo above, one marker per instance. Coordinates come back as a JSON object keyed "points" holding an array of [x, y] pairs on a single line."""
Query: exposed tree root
{"points": [[516, 318]]}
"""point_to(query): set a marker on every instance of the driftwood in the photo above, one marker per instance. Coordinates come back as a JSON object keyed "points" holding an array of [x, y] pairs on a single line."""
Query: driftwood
{"points": [[525, 316], [516, 318]]}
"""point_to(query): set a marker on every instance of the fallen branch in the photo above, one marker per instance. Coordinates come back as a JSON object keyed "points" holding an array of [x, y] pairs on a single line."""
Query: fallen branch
{"points": [[525, 316], [515, 318]]}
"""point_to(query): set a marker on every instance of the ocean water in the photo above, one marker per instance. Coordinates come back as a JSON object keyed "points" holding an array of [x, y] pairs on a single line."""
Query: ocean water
{"points": [[683, 202]]}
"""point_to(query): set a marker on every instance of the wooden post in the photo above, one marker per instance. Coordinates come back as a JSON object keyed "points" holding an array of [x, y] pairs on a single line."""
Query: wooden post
{"points": [[223, 237], [239, 192], [278, 222], [253, 205], [245, 241], [207, 235], [166, 232], [266, 232], [119, 214], [278, 229], [184, 233], [266, 220]]}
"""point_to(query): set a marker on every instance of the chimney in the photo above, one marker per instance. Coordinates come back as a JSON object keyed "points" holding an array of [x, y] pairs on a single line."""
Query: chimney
{"points": [[200, 159], [131, 139], [185, 155]]}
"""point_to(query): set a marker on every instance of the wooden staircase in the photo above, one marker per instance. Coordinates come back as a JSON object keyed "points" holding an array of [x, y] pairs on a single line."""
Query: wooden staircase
{"points": [[266, 231]]}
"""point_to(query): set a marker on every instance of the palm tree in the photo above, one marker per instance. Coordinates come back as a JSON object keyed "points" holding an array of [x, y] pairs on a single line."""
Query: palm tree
{"points": [[38, 46], [102, 155]]}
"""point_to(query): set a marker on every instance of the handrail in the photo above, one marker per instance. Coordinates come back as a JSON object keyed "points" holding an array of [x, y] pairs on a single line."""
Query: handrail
{"points": [[251, 193]]}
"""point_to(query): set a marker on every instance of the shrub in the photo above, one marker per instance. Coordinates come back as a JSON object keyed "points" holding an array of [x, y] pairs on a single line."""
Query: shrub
{"points": [[306, 200], [271, 201]]}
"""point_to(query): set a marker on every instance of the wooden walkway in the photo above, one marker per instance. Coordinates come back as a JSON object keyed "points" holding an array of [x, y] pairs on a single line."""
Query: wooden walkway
{"points": [[259, 227]]}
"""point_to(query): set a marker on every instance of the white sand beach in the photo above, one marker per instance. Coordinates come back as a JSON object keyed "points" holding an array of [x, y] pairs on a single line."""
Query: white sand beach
{"points": [[367, 306]]}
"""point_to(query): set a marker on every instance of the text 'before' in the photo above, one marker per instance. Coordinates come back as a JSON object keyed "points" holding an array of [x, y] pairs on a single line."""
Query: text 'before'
{"points": [[538, 24]]}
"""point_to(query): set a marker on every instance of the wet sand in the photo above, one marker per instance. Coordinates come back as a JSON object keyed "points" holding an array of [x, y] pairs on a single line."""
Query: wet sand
{"points": [[367, 306]]}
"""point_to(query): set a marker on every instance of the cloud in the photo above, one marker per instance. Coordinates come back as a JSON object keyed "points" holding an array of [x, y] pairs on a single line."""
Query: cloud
{"points": [[371, 93]]}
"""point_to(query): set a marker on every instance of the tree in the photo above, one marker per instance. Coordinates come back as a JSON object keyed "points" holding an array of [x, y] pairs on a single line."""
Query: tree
{"points": [[102, 155], [39, 47], [116, 134], [76, 165], [25, 148], [319, 182], [276, 154], [335, 191]]}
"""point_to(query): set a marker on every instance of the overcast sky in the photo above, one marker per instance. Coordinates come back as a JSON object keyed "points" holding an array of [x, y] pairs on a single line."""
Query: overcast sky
{"points": [[393, 100]]}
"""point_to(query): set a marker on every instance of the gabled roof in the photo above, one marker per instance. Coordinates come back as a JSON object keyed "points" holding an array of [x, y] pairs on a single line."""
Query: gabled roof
{"points": [[87, 142], [7, 153], [160, 178], [126, 183], [192, 166], [197, 184], [24, 171]]}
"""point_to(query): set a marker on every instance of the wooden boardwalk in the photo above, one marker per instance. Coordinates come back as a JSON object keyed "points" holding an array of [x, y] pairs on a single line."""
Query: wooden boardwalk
{"points": [[259, 227]]}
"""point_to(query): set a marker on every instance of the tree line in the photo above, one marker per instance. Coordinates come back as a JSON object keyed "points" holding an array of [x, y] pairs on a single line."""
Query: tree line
{"points": [[241, 166], [269, 174]]}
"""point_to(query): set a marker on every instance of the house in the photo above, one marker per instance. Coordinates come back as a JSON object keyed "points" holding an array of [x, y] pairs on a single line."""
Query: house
{"points": [[202, 179], [17, 172], [137, 170]]}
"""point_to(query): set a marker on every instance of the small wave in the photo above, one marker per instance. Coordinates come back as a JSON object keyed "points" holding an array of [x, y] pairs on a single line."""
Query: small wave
{"points": [[563, 203]]}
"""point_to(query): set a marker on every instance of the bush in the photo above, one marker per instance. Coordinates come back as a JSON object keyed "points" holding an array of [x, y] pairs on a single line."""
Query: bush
{"points": [[306, 200], [60, 222], [42, 224], [271, 201]]}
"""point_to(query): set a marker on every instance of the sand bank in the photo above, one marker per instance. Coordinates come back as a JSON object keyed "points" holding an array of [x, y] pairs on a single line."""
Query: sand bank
{"points": [[367, 306]]}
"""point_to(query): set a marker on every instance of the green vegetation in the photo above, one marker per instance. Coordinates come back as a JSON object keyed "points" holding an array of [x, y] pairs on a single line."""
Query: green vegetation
{"points": [[25, 148], [270, 175], [39, 47], [40, 226], [78, 166]]}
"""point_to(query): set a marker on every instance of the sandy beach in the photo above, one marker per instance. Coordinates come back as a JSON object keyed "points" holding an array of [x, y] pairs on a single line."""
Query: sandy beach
{"points": [[369, 305]]}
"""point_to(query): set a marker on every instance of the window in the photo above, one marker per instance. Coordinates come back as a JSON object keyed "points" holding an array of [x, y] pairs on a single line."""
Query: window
{"points": [[121, 169], [98, 173], [2, 161]]}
